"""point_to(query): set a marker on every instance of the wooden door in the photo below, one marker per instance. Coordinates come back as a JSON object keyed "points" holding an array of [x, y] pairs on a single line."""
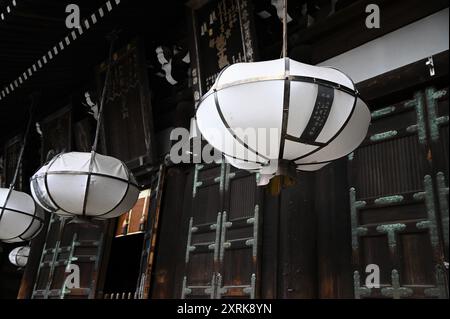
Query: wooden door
{"points": [[222, 234], [396, 222], [69, 244]]}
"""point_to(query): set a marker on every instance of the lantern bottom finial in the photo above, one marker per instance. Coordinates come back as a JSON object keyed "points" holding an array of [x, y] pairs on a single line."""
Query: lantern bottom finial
{"points": [[277, 167]]}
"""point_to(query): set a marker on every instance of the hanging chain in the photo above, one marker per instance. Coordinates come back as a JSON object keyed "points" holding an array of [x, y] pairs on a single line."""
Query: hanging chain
{"points": [[24, 142], [285, 39], [112, 37]]}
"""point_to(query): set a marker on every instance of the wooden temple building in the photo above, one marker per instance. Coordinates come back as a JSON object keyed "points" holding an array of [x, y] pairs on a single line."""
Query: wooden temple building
{"points": [[207, 230]]}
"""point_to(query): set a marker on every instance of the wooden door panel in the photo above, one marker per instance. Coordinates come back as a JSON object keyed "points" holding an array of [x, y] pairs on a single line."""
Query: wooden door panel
{"points": [[416, 271], [69, 243], [395, 220], [203, 233], [239, 236], [375, 251], [221, 249]]}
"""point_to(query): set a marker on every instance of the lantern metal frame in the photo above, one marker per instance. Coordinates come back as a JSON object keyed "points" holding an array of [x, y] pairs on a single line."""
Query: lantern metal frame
{"points": [[86, 192], [287, 78]]}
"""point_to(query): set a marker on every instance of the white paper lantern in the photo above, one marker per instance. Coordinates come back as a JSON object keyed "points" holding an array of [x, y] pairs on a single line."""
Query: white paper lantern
{"points": [[19, 218], [19, 256], [85, 184], [305, 116]]}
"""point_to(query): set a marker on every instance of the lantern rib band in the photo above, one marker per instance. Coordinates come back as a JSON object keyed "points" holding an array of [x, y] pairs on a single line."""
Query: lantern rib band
{"points": [[222, 117], [88, 181], [6, 201], [244, 160], [295, 78], [41, 226], [23, 213], [46, 185], [300, 140], [89, 174], [225, 123], [30, 224], [334, 136], [34, 217], [86, 194], [84, 173], [286, 102], [316, 163], [323, 162], [123, 197]]}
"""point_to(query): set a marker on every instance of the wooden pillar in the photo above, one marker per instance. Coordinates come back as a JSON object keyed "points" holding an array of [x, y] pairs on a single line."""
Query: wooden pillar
{"points": [[333, 232]]}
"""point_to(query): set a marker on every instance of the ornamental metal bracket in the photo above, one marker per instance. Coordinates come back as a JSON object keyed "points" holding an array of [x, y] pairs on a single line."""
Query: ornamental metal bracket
{"points": [[429, 224], [443, 203], [216, 227], [211, 291], [396, 291], [419, 106], [196, 183], [389, 200], [391, 230], [383, 136], [223, 243], [359, 291], [185, 290], [254, 241], [440, 290], [354, 207], [433, 120], [189, 247], [249, 290], [382, 112]]}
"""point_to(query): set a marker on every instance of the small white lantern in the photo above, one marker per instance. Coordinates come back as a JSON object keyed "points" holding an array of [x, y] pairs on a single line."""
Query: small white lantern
{"points": [[85, 184], [302, 117], [19, 218], [19, 256]]}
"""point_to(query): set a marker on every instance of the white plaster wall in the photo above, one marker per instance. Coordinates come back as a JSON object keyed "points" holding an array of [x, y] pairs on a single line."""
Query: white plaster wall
{"points": [[406, 45]]}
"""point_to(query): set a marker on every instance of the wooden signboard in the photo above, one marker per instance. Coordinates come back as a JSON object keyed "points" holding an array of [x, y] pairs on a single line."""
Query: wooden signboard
{"points": [[222, 34], [128, 122]]}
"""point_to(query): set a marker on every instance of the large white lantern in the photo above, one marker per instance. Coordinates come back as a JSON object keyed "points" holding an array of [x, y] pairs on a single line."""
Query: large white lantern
{"points": [[19, 218], [88, 185], [281, 115], [19, 256]]}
